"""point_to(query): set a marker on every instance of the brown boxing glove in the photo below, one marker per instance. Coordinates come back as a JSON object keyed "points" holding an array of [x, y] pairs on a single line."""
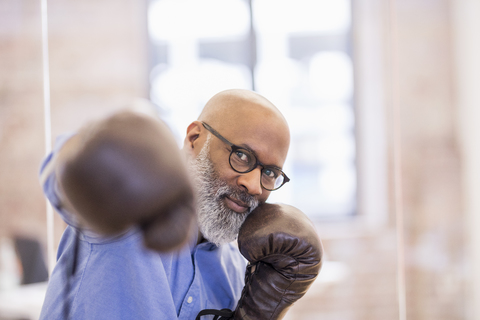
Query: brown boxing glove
{"points": [[285, 256], [127, 170]]}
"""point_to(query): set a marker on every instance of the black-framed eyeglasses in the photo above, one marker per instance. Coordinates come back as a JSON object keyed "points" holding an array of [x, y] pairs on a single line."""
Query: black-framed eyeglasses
{"points": [[243, 161]]}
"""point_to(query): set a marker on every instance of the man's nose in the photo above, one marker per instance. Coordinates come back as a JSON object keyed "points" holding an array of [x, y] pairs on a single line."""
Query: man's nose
{"points": [[251, 181]]}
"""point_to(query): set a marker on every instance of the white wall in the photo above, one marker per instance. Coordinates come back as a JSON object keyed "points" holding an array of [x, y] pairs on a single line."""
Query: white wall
{"points": [[466, 26]]}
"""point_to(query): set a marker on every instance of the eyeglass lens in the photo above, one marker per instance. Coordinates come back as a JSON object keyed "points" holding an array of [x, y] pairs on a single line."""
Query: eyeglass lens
{"points": [[244, 161]]}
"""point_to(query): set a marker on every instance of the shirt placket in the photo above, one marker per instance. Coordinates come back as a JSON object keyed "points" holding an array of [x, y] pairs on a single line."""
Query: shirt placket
{"points": [[192, 301]]}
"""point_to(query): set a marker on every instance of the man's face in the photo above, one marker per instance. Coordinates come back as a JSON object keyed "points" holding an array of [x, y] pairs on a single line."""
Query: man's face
{"points": [[219, 220], [227, 196]]}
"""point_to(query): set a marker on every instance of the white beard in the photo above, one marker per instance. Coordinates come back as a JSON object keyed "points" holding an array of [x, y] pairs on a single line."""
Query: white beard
{"points": [[218, 223]]}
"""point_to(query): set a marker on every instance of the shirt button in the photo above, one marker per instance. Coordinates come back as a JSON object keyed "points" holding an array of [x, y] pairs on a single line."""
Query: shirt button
{"points": [[189, 300]]}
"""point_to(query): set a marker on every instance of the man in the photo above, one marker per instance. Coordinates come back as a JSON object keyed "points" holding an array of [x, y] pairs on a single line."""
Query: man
{"points": [[118, 187]]}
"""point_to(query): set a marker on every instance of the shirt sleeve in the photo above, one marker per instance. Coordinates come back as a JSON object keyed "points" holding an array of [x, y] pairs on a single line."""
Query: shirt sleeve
{"points": [[49, 182]]}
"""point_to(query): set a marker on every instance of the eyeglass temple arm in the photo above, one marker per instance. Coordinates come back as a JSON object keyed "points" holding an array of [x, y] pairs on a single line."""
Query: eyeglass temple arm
{"points": [[216, 134]]}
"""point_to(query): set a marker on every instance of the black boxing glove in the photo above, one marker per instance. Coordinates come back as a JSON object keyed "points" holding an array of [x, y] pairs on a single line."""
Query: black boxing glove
{"points": [[285, 256], [127, 170]]}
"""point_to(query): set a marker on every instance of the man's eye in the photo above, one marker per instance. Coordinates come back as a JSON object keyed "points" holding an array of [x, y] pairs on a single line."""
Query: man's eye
{"points": [[270, 173], [242, 156]]}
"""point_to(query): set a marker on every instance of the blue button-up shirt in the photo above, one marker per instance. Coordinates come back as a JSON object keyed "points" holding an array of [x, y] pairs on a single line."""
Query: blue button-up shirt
{"points": [[118, 278]]}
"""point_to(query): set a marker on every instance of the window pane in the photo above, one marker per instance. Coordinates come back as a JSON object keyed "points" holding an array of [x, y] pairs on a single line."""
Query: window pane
{"points": [[198, 50]]}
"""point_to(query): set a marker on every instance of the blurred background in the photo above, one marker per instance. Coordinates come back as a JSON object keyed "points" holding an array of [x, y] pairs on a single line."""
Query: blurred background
{"points": [[381, 97]]}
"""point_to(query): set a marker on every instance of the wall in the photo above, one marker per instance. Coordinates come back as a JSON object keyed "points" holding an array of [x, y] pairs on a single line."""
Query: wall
{"points": [[423, 91], [98, 60], [466, 25], [419, 91]]}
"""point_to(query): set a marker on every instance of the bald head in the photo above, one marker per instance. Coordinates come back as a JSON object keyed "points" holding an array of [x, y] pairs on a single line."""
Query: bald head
{"points": [[245, 119], [236, 106], [247, 113]]}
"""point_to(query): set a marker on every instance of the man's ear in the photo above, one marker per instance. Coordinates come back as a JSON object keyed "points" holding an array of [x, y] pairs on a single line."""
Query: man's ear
{"points": [[193, 133]]}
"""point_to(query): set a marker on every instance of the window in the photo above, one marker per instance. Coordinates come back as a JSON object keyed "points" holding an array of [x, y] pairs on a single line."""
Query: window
{"points": [[298, 54]]}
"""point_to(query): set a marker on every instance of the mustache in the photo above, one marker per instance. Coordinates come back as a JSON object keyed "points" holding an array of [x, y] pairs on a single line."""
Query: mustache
{"points": [[237, 194]]}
